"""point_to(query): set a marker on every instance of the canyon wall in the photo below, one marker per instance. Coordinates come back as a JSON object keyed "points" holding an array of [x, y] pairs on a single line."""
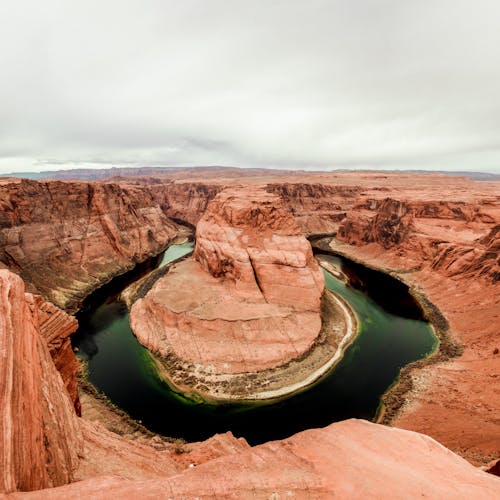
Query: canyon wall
{"points": [[184, 202], [40, 439], [439, 237], [443, 241], [55, 327], [67, 238], [317, 208]]}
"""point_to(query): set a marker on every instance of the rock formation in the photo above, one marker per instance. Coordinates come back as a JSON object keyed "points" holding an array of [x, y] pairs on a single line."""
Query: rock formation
{"points": [[55, 326], [447, 250], [350, 459], [40, 439], [67, 238], [184, 202], [249, 238], [256, 301]]}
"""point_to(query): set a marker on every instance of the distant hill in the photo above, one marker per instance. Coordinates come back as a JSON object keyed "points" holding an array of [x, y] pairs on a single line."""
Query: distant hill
{"points": [[88, 174]]}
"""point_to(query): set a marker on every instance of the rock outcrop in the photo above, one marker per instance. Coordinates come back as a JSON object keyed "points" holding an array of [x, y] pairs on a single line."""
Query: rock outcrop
{"points": [[40, 439], [256, 301], [55, 326], [67, 238], [249, 238], [350, 459]]}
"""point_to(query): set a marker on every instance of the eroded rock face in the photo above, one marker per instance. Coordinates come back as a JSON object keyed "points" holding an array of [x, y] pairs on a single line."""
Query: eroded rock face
{"points": [[448, 235], [350, 459], [448, 250], [67, 238], [184, 202], [317, 208], [247, 236], [55, 327], [248, 301], [39, 435]]}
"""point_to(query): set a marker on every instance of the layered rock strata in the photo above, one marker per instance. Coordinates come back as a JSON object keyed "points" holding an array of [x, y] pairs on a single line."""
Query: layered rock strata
{"points": [[67, 238], [43, 443], [55, 327], [40, 439], [248, 302], [447, 250]]}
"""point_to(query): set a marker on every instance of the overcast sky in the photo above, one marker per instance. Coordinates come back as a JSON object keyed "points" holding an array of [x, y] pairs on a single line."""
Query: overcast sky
{"points": [[285, 83]]}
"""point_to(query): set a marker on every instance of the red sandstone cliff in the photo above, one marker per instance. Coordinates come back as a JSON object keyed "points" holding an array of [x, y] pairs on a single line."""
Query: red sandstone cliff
{"points": [[55, 327], [456, 238], [184, 202], [317, 208], [67, 238], [40, 439], [444, 242]]}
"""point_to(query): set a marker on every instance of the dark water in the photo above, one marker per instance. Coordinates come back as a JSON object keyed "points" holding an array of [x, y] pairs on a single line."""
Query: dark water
{"points": [[391, 335]]}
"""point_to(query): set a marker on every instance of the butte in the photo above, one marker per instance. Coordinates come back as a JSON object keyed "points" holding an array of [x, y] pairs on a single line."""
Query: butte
{"points": [[247, 317]]}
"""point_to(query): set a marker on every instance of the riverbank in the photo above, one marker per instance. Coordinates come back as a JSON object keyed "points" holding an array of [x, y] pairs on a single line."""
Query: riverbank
{"points": [[138, 289], [451, 395], [339, 329], [397, 394]]}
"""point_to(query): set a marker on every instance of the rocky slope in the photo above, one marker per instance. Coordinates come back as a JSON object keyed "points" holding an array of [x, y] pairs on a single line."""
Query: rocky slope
{"points": [[67, 238], [350, 459]]}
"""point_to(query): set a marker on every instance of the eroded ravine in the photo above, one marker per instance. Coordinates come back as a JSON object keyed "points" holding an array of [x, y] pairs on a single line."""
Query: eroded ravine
{"points": [[123, 369]]}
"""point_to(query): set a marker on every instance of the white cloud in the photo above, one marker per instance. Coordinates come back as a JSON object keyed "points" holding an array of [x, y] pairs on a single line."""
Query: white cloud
{"points": [[381, 83]]}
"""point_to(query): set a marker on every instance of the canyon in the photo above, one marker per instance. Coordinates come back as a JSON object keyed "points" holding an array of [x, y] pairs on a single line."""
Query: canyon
{"points": [[439, 236]]}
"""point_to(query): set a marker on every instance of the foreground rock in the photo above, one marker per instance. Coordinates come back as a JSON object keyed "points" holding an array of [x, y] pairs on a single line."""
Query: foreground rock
{"points": [[40, 439], [350, 459], [249, 301], [56, 327], [42, 442]]}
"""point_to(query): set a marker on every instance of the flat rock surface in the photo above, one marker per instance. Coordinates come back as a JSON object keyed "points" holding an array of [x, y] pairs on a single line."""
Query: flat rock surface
{"points": [[200, 320]]}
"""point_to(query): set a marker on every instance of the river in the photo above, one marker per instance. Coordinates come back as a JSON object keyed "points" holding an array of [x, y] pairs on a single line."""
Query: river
{"points": [[391, 335]]}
